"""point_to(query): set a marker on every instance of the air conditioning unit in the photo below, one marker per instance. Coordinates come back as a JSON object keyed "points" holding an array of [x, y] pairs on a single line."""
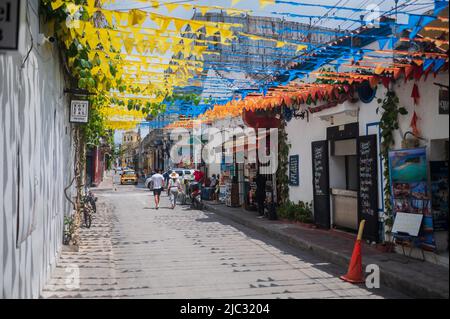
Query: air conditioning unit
{"points": [[346, 108]]}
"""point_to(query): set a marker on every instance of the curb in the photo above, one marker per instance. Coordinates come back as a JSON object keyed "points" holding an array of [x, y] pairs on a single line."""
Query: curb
{"points": [[389, 279]]}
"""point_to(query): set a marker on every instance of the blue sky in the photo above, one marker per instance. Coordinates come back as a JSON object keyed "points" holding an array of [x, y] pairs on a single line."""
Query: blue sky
{"points": [[381, 5]]}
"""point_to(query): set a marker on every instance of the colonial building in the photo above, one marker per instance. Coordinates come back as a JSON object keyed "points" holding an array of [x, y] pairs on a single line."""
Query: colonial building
{"points": [[130, 149]]}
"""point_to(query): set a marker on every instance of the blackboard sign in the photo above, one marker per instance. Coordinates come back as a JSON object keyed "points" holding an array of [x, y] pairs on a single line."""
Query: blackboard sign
{"points": [[321, 184], [443, 102], [368, 186], [320, 159], [439, 192], [294, 173]]}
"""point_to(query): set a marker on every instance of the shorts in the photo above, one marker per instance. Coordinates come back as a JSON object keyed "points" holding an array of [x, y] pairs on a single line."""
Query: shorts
{"points": [[157, 192]]}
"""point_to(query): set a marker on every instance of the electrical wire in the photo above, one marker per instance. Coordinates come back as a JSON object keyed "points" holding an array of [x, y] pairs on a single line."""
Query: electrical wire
{"points": [[27, 18]]}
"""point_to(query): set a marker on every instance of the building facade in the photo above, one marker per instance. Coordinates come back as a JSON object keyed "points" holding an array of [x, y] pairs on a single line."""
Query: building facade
{"points": [[37, 162], [130, 149]]}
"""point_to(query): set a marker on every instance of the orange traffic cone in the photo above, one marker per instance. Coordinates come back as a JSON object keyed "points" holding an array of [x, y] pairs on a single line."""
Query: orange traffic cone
{"points": [[355, 273]]}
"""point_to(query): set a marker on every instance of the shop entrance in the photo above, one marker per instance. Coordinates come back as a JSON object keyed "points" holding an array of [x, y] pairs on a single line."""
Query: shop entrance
{"points": [[345, 181]]}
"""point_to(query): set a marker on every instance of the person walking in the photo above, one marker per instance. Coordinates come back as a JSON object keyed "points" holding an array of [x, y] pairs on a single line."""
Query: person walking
{"points": [[217, 190], [174, 188], [158, 184]]}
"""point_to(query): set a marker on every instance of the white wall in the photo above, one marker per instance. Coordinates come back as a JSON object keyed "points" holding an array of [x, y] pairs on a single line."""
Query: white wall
{"points": [[35, 166], [301, 134]]}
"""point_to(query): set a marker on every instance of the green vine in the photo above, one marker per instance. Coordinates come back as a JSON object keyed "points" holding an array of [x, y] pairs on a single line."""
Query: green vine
{"points": [[389, 124], [283, 165]]}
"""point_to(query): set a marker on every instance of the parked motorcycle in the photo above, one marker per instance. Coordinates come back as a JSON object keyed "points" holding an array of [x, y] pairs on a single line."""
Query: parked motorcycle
{"points": [[195, 194]]}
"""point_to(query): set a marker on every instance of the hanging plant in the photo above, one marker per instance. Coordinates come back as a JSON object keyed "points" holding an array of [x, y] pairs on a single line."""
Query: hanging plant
{"points": [[389, 106]]}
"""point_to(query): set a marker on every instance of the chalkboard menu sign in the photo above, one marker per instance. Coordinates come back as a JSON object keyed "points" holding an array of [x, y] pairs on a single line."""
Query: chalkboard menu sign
{"points": [[368, 185], [320, 159], [321, 184], [443, 102], [294, 173]]}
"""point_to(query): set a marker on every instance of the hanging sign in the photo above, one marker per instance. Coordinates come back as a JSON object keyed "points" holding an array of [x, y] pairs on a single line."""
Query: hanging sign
{"points": [[79, 111], [443, 102], [9, 25]]}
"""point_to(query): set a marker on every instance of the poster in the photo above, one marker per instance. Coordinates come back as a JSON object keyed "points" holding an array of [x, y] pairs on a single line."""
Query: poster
{"points": [[439, 195], [410, 191]]}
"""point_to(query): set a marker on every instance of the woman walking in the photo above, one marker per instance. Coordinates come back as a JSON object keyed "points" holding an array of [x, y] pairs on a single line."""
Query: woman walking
{"points": [[174, 189]]}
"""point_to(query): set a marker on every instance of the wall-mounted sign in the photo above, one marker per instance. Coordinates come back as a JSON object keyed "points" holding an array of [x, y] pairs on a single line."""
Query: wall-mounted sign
{"points": [[294, 173], [9, 25], [79, 111], [443, 102]]}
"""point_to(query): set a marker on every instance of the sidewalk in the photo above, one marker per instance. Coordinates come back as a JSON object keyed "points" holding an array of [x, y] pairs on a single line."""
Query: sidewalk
{"points": [[107, 183], [412, 277]]}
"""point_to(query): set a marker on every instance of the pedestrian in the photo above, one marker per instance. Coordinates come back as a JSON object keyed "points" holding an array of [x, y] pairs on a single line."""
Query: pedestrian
{"points": [[261, 194], [174, 188], [217, 189], [158, 182], [199, 176], [213, 181]]}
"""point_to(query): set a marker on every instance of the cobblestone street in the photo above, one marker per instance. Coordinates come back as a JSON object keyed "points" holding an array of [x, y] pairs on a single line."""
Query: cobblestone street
{"points": [[135, 251]]}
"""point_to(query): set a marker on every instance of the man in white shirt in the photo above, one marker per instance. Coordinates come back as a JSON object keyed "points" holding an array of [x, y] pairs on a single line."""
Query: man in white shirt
{"points": [[158, 182]]}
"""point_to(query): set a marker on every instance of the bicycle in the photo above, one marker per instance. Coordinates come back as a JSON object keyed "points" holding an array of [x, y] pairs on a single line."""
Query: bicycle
{"points": [[89, 207]]}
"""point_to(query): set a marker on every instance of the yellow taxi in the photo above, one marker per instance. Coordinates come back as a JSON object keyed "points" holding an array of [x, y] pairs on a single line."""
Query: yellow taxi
{"points": [[129, 177]]}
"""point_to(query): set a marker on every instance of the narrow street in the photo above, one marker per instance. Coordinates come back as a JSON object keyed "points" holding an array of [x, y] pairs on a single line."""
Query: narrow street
{"points": [[184, 253]]}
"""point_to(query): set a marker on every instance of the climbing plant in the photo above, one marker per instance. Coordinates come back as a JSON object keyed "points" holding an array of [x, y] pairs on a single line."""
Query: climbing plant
{"points": [[284, 148], [389, 107]]}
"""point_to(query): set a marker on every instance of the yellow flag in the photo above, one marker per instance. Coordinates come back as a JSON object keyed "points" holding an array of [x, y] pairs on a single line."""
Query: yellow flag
{"points": [[171, 6], [108, 16], [235, 2], [136, 17], [57, 4], [301, 48], [179, 24], [265, 3], [210, 31], [195, 26], [93, 42], [129, 44]]}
